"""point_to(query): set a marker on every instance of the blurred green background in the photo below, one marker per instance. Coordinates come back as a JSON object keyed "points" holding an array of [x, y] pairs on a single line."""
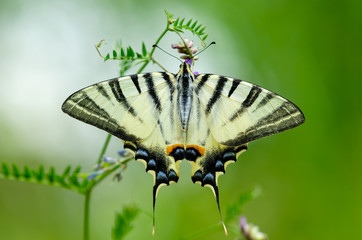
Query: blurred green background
{"points": [[307, 51]]}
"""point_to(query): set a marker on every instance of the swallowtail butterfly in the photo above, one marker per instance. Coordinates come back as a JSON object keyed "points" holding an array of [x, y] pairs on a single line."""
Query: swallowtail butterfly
{"points": [[164, 118]]}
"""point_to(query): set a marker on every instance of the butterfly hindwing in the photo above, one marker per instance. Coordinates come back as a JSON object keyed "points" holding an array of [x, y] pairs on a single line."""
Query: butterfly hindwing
{"points": [[207, 156]]}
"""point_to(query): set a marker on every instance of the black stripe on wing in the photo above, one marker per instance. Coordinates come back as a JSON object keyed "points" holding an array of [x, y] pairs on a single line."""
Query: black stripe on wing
{"points": [[216, 94], [269, 96], [172, 88], [134, 79], [82, 107], [87, 110], [103, 91], [235, 84], [118, 94], [202, 82], [285, 117], [252, 96], [249, 100], [169, 84], [152, 92]]}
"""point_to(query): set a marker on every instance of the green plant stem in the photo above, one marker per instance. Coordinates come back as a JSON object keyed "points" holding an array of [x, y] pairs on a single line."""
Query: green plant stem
{"points": [[87, 196], [87, 193], [105, 145], [159, 64], [187, 47], [153, 49], [93, 183]]}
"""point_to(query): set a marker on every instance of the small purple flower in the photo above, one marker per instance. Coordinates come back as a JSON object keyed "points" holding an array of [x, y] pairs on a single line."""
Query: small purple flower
{"points": [[108, 160], [193, 50], [186, 48], [93, 175], [177, 46], [97, 167], [189, 61], [250, 231], [124, 153]]}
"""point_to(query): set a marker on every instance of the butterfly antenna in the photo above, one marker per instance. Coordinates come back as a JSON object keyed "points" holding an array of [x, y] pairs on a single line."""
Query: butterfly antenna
{"points": [[205, 48], [156, 46]]}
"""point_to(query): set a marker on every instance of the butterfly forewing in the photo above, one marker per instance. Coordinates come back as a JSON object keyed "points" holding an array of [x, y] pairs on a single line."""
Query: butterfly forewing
{"points": [[119, 105], [238, 112]]}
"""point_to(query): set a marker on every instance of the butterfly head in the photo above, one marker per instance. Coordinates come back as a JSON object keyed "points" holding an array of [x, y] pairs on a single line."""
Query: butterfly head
{"points": [[185, 71]]}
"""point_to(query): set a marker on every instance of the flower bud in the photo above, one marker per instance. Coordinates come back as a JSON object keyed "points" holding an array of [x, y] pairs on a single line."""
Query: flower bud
{"points": [[250, 231]]}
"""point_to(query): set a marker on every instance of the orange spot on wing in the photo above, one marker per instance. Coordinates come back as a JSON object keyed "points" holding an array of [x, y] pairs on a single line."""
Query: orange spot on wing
{"points": [[198, 148], [170, 148]]}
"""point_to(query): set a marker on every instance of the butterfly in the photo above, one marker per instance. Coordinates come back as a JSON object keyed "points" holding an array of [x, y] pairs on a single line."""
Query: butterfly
{"points": [[164, 118]]}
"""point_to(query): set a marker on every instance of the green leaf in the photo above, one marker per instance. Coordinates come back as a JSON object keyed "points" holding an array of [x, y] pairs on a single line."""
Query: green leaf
{"points": [[197, 28], [107, 57], [27, 173], [16, 171], [77, 170], [193, 25], [123, 222], [122, 53], [84, 184], [176, 22], [51, 175], [5, 169], [139, 55], [130, 52], [201, 32], [74, 181], [188, 23], [144, 51], [114, 54], [180, 30], [66, 171], [204, 38], [61, 181], [168, 14], [182, 21], [41, 173]]}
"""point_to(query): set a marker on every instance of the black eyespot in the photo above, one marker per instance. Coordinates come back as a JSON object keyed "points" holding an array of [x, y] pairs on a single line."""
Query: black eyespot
{"points": [[192, 154], [197, 176], [219, 166], [172, 176], [208, 179], [178, 153], [151, 165], [161, 178], [141, 154]]}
